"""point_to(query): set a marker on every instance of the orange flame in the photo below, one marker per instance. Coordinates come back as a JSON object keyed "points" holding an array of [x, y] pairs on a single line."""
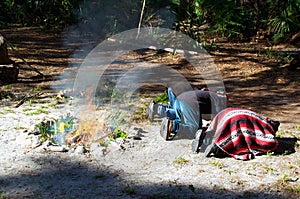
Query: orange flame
{"points": [[90, 128]]}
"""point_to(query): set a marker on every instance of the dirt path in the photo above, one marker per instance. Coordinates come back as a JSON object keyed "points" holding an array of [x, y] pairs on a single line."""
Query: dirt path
{"points": [[148, 167]]}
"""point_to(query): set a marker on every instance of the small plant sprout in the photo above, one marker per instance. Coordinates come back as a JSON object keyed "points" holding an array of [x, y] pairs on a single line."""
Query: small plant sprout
{"points": [[216, 163], [129, 190], [268, 168], [20, 128], [38, 111], [290, 166], [8, 86], [298, 127], [38, 88], [118, 133], [284, 178], [180, 160], [279, 134]]}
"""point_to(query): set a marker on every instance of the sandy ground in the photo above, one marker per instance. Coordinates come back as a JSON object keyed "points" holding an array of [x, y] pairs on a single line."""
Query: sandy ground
{"points": [[148, 167]]}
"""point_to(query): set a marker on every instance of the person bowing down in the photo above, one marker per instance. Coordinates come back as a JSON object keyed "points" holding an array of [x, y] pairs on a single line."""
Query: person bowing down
{"points": [[241, 133]]}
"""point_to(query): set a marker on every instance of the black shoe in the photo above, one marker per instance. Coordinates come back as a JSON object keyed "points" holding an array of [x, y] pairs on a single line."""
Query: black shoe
{"points": [[286, 146], [198, 140]]}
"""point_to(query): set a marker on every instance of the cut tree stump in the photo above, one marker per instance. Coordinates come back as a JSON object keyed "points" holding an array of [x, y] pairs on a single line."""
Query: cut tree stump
{"points": [[8, 69], [8, 73]]}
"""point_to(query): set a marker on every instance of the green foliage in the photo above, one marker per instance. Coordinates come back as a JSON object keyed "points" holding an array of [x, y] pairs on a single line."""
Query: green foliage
{"points": [[118, 133], [216, 163], [298, 127], [8, 86], [161, 98], [284, 17], [43, 130], [230, 19], [37, 89], [48, 14], [129, 190], [2, 196], [180, 160], [233, 22], [279, 134], [157, 13], [108, 17], [39, 110], [139, 114], [238, 19], [51, 130], [6, 95]]}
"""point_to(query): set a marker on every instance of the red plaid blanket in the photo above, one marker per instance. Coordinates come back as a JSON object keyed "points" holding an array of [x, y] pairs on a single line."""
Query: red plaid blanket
{"points": [[243, 133]]}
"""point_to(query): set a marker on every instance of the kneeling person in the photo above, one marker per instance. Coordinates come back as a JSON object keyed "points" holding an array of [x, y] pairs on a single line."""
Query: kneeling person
{"points": [[185, 111], [241, 133]]}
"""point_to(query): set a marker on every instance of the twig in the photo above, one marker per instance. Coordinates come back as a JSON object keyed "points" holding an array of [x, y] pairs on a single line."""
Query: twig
{"points": [[24, 99], [19, 56], [141, 18]]}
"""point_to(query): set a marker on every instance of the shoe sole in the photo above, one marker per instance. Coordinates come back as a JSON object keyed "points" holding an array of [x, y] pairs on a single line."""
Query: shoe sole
{"points": [[210, 149], [197, 142], [166, 129], [149, 112]]}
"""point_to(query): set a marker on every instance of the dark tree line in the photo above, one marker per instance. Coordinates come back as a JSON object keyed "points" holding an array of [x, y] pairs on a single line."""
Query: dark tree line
{"points": [[237, 19]]}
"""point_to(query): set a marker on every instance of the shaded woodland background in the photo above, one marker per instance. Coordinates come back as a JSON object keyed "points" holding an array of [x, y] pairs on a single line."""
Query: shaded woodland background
{"points": [[275, 20], [245, 34]]}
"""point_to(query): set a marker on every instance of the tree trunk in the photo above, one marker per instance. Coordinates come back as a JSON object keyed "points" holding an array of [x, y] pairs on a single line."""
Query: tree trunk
{"points": [[4, 59], [8, 69]]}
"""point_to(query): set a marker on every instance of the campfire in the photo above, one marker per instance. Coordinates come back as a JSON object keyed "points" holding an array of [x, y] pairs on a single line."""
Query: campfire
{"points": [[69, 130], [91, 125]]}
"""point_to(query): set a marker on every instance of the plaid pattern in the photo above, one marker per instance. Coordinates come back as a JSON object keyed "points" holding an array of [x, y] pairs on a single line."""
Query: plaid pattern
{"points": [[242, 133]]}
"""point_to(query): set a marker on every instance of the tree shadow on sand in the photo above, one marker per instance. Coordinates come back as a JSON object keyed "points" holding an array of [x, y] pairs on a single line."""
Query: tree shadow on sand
{"points": [[65, 178]]}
